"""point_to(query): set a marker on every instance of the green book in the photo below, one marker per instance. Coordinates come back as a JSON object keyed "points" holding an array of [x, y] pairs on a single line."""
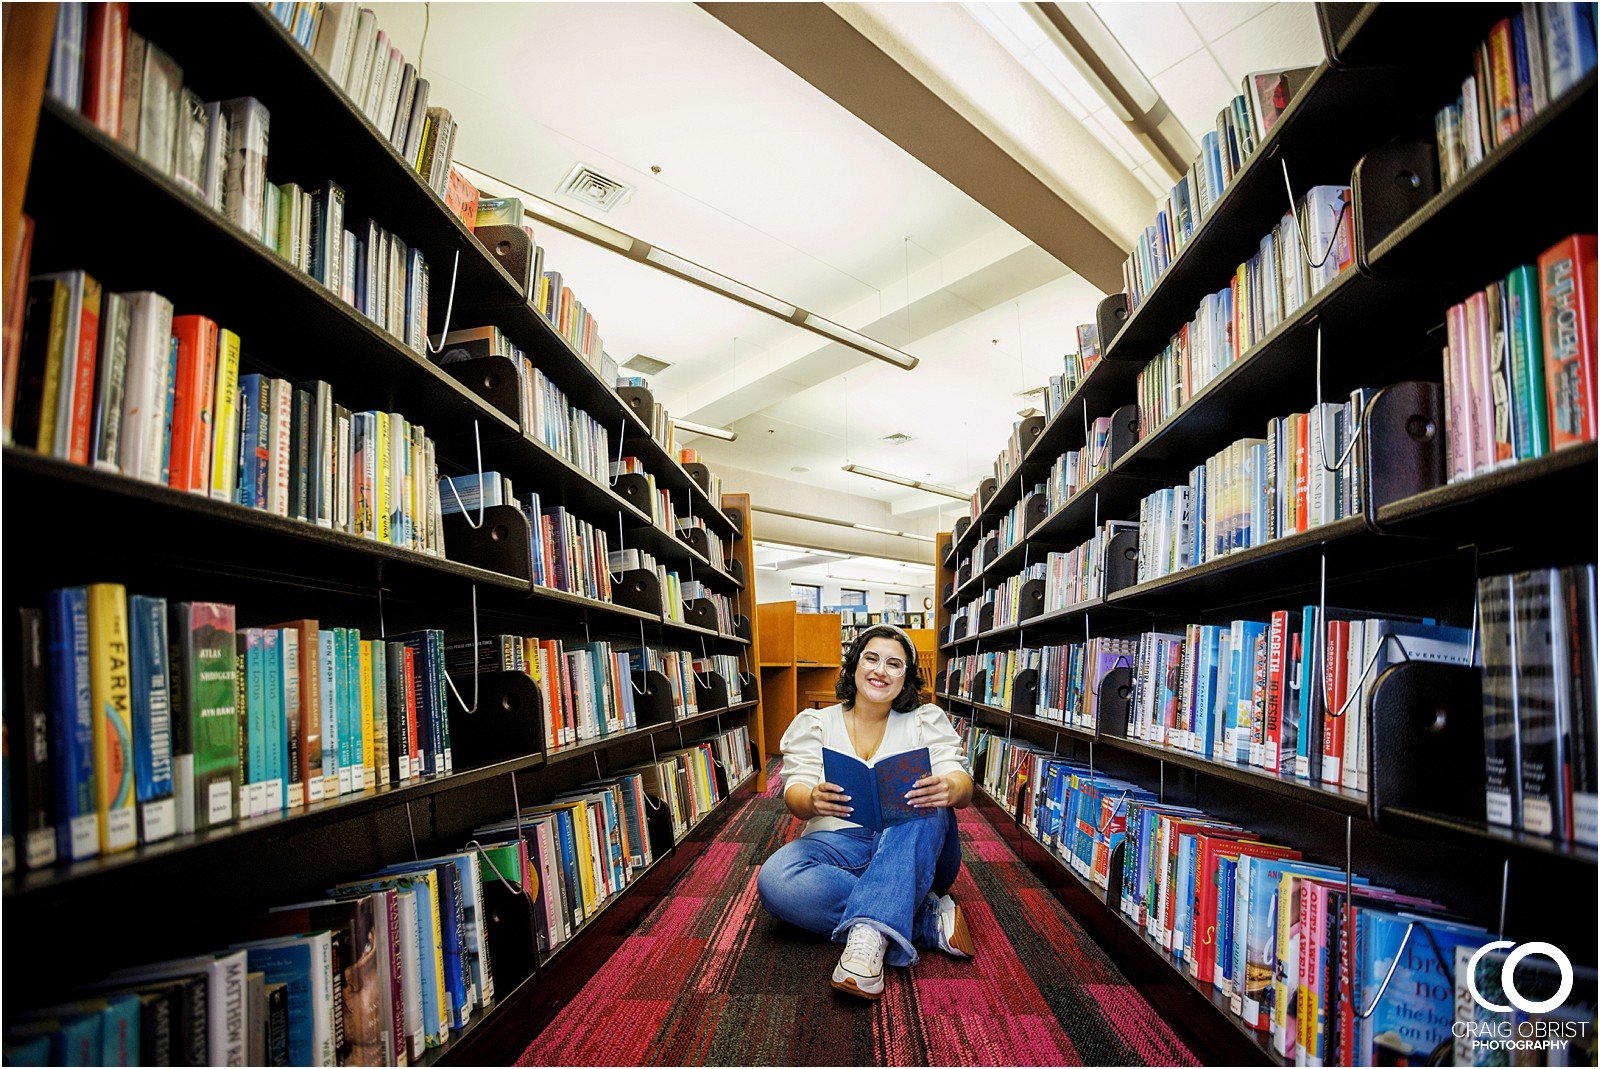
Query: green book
{"points": [[1530, 410], [206, 693]]}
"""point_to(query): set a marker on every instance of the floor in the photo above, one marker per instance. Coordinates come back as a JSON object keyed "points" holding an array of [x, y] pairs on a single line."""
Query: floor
{"points": [[709, 978]]}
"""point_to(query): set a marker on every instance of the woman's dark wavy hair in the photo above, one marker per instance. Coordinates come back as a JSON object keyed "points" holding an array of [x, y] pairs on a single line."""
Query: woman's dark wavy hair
{"points": [[910, 696]]}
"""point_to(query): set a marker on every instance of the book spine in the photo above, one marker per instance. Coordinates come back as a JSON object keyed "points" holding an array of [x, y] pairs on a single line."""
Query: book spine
{"points": [[152, 718], [1567, 289], [72, 725]]}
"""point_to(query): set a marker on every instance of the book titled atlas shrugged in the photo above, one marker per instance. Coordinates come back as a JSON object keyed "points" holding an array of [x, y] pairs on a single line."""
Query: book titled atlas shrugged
{"points": [[878, 791]]}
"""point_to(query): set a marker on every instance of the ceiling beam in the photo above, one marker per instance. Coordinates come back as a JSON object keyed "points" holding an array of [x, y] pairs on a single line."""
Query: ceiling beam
{"points": [[819, 45]]}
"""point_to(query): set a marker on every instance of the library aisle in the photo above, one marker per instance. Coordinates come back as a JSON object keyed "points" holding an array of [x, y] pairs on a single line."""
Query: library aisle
{"points": [[709, 978]]}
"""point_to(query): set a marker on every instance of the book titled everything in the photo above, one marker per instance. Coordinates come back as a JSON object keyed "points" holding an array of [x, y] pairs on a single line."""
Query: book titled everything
{"points": [[878, 791]]}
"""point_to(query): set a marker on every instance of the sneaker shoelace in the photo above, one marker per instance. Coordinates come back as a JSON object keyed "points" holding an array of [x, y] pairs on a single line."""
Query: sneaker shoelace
{"points": [[863, 948]]}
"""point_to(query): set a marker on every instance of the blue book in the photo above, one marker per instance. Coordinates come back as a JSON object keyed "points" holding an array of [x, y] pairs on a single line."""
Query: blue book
{"points": [[28, 1048], [463, 493], [276, 744], [569, 866], [452, 924], [172, 397], [66, 56], [1417, 1010], [1183, 897], [328, 676], [255, 689], [72, 724], [1569, 44], [304, 965], [152, 716], [251, 490], [1227, 870], [1307, 708], [435, 1030], [349, 708], [878, 791]]}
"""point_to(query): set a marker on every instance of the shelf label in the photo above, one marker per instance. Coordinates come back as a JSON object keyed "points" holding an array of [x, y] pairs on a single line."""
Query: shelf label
{"points": [[160, 819]]}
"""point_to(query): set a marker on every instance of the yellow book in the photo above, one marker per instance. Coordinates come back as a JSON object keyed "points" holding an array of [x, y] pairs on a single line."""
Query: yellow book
{"points": [[59, 306], [585, 851], [384, 503], [111, 698], [225, 425], [369, 774]]}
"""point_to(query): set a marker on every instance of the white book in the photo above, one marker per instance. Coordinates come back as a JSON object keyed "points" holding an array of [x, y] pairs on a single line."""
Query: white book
{"points": [[360, 68], [158, 109], [336, 38], [144, 399], [393, 74], [244, 179], [371, 94], [228, 1010], [411, 971]]}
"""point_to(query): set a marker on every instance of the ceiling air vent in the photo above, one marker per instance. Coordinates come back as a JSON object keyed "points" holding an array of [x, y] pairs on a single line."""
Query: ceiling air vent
{"points": [[646, 365], [897, 438], [590, 186]]}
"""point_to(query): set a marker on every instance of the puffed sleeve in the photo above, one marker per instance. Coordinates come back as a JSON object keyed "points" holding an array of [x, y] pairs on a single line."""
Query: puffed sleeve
{"points": [[945, 749], [802, 749]]}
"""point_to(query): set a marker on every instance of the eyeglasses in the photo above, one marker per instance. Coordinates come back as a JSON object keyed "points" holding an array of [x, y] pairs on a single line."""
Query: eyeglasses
{"points": [[894, 665]]}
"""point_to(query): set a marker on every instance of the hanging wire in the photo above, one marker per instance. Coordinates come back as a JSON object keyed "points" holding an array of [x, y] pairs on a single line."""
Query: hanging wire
{"points": [[1114, 807], [1300, 234], [515, 885], [452, 683], [1399, 954], [1322, 423], [449, 309], [622, 433], [477, 443], [416, 855]]}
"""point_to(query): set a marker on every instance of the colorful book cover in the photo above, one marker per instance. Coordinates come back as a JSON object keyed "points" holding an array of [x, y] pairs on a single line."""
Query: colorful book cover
{"points": [[152, 717], [72, 725], [1567, 288], [877, 791], [205, 632]]}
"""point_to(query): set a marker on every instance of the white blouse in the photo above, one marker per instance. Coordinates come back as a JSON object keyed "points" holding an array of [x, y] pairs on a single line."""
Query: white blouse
{"points": [[812, 729]]}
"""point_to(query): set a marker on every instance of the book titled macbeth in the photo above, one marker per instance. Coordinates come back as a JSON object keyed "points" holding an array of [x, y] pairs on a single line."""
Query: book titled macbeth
{"points": [[878, 791]]}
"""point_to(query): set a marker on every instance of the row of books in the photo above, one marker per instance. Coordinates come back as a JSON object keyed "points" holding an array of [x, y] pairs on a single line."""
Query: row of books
{"points": [[1287, 695], [1240, 128], [1005, 597], [377, 972], [569, 554], [1073, 369], [1070, 675], [662, 511], [1539, 701], [686, 780], [1302, 254], [716, 554], [658, 419], [714, 485], [678, 668], [361, 60], [1303, 474], [1010, 458], [544, 411], [1077, 468], [1527, 61], [1519, 363], [724, 606], [1078, 576], [668, 581], [999, 670], [1013, 526], [139, 720]]}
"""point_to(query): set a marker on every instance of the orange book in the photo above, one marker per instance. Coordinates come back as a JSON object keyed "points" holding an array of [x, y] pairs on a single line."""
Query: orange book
{"points": [[190, 467], [1503, 83], [1566, 304], [83, 380], [16, 308], [564, 312]]}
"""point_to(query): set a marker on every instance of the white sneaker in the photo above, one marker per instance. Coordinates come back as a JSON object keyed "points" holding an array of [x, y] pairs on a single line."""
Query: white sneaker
{"points": [[954, 936], [860, 968]]}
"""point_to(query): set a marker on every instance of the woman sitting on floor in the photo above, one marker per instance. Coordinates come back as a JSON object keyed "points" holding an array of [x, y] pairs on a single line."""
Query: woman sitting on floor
{"points": [[883, 891]]}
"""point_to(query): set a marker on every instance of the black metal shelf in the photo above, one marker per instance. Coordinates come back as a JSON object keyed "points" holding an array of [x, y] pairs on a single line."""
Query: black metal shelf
{"points": [[1447, 238], [164, 860], [146, 515], [562, 482], [1320, 136], [177, 234], [707, 714], [667, 548], [1479, 836], [1499, 503], [1334, 799]]}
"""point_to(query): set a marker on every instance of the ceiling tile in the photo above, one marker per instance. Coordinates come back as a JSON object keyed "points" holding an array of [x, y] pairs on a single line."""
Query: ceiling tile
{"points": [[1285, 35], [1195, 90], [1155, 35], [1214, 20]]}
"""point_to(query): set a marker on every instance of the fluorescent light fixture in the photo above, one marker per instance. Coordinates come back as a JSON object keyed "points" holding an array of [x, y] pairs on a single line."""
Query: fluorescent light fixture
{"points": [[845, 336], [704, 276], [901, 480], [769, 510], [563, 218], [724, 433]]}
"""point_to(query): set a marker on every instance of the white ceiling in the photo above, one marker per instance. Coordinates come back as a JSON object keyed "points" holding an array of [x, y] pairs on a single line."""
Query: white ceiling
{"points": [[797, 565], [765, 179]]}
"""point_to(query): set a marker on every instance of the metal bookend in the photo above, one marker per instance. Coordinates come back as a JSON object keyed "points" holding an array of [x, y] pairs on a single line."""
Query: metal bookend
{"points": [[1030, 600], [986, 618], [653, 704], [986, 491], [961, 527], [1389, 185], [701, 612], [1113, 703], [980, 685], [700, 475], [634, 488], [512, 249], [710, 692], [1403, 452], [1122, 562], [1034, 512], [493, 378], [501, 543], [1025, 693], [638, 589], [1109, 316], [697, 539], [742, 628], [736, 517], [1425, 746], [1029, 432], [508, 722], [988, 550], [641, 400], [1124, 433]]}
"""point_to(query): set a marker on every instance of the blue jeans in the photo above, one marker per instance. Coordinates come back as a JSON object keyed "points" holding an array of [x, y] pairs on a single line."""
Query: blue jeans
{"points": [[829, 881]]}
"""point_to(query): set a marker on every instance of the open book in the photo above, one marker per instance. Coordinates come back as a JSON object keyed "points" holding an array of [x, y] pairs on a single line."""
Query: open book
{"points": [[878, 791]]}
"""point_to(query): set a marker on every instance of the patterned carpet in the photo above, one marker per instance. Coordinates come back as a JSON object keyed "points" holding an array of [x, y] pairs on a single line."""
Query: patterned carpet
{"points": [[710, 979]]}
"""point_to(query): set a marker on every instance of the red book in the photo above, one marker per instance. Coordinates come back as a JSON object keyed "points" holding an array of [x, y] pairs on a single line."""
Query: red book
{"points": [[1335, 674], [1567, 307], [190, 467], [1213, 848], [411, 706], [16, 309], [83, 379], [1302, 502], [105, 47]]}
